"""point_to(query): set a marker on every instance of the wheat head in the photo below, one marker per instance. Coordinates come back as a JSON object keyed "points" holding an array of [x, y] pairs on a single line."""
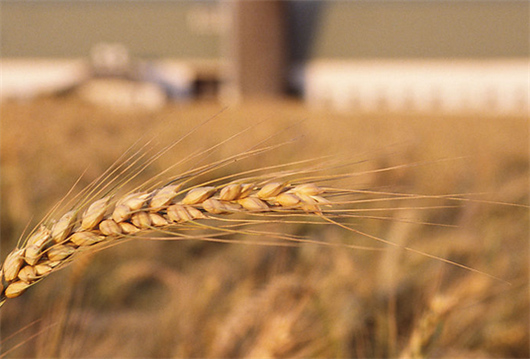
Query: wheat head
{"points": [[111, 219], [105, 216]]}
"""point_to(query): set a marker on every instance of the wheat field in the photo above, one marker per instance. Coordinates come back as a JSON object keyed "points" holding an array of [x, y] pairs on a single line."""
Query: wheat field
{"points": [[451, 190]]}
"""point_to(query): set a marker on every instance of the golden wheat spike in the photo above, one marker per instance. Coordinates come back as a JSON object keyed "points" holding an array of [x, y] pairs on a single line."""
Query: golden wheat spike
{"points": [[109, 219]]}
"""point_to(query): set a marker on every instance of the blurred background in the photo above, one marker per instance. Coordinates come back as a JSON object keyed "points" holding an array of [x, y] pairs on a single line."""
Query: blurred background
{"points": [[421, 97], [449, 56]]}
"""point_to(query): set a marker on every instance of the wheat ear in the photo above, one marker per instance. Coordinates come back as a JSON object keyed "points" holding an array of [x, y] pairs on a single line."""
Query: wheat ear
{"points": [[104, 218], [110, 219]]}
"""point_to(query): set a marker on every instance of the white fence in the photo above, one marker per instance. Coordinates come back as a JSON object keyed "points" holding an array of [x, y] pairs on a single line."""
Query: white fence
{"points": [[452, 86]]}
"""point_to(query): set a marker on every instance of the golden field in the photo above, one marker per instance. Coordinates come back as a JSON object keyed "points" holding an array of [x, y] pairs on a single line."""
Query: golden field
{"points": [[172, 299]]}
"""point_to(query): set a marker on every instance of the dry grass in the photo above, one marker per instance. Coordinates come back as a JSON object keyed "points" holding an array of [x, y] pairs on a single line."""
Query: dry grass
{"points": [[199, 298]]}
